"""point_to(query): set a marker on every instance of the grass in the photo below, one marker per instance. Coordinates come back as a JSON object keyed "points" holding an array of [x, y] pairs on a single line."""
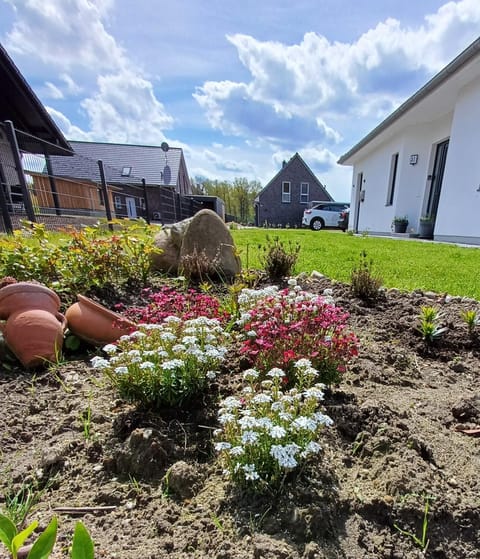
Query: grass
{"points": [[407, 265]]}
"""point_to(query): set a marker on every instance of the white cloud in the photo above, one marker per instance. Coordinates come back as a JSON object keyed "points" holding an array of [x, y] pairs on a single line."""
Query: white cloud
{"points": [[307, 92], [71, 86], [65, 33], [70, 130], [52, 91], [70, 36], [125, 110]]}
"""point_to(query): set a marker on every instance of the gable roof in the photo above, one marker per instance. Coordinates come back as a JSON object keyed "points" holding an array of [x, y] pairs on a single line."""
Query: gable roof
{"points": [[282, 170], [151, 163], [19, 104], [418, 108]]}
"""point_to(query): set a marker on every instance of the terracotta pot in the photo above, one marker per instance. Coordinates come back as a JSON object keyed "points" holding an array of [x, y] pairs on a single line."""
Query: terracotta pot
{"points": [[96, 324], [27, 296], [35, 336]]}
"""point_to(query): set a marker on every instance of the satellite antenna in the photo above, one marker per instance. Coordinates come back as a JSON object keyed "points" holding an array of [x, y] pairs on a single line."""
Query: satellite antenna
{"points": [[164, 147]]}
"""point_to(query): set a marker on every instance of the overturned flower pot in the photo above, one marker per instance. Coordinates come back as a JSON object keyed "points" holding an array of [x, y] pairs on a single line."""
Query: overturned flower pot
{"points": [[34, 327], [96, 324]]}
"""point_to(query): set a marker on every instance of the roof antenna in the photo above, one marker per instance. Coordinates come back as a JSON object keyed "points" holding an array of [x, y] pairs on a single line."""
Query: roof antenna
{"points": [[165, 147]]}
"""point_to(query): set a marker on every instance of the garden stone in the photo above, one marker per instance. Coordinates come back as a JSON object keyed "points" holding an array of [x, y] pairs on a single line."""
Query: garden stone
{"points": [[167, 258], [178, 230], [204, 233], [207, 233]]}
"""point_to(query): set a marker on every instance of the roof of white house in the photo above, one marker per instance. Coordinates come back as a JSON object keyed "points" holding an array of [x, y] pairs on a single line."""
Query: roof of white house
{"points": [[436, 98]]}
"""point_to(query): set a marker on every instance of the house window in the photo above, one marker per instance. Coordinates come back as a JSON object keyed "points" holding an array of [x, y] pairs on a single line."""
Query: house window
{"points": [[101, 201], [126, 171], [142, 203], [304, 191], [118, 202], [286, 197], [392, 180]]}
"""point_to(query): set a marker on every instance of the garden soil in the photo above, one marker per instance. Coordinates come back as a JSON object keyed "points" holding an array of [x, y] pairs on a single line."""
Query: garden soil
{"points": [[399, 476]]}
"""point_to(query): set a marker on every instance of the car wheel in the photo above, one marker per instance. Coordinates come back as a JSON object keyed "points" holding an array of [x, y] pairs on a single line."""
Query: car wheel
{"points": [[317, 224]]}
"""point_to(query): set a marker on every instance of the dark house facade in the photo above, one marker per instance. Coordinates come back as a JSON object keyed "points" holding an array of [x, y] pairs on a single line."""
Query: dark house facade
{"points": [[283, 199]]}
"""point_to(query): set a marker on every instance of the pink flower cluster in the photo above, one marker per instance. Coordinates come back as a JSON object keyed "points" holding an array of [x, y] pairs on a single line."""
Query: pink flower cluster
{"points": [[289, 326], [168, 301]]}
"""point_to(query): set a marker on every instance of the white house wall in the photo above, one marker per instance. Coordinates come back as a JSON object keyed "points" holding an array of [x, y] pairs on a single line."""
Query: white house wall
{"points": [[411, 181], [459, 206]]}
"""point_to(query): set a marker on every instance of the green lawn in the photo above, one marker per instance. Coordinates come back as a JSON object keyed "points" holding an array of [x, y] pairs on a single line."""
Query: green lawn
{"points": [[406, 264]]}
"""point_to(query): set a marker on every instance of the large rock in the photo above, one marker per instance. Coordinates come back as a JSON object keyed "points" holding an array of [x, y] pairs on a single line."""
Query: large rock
{"points": [[203, 236], [168, 256], [207, 234]]}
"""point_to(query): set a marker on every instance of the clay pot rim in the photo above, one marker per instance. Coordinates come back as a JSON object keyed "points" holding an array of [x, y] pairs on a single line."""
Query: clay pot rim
{"points": [[27, 287], [103, 310]]}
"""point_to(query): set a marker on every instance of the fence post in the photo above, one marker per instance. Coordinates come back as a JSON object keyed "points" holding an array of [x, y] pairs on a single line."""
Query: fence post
{"points": [[147, 207], [53, 186], [3, 202], [106, 201], [27, 201]]}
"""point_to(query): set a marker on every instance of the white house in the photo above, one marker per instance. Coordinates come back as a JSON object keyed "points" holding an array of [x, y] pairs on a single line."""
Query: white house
{"points": [[424, 159]]}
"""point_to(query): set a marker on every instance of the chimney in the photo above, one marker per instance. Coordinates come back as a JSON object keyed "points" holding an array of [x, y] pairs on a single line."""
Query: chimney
{"points": [[284, 163]]}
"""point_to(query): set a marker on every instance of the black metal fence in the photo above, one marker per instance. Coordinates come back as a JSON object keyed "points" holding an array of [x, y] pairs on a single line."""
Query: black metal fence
{"points": [[31, 190]]}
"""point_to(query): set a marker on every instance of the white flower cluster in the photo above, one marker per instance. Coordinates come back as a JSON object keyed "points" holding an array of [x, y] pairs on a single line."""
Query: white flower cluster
{"points": [[267, 423], [191, 349], [248, 297]]}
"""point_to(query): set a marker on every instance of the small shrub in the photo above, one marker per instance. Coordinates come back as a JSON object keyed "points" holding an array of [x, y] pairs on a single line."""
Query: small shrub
{"points": [[77, 261], [165, 364], [429, 326], [279, 259], [199, 266], [267, 434], [364, 283], [471, 319]]}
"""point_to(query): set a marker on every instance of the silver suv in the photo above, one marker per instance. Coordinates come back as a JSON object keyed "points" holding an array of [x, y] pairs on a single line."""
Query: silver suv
{"points": [[323, 214]]}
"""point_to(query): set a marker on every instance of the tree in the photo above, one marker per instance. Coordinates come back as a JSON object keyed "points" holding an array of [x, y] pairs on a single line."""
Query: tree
{"points": [[238, 196]]}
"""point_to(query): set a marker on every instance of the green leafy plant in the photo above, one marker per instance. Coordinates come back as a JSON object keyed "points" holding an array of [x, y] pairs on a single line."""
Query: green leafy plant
{"points": [[365, 284], [471, 319], [20, 500], [86, 419], [267, 433], [77, 261], [429, 326], [279, 258], [165, 364], [401, 219], [82, 544], [421, 541], [427, 218]]}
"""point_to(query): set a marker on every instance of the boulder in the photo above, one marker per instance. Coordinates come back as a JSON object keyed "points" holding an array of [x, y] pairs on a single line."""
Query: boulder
{"points": [[207, 234], [167, 258], [204, 235]]}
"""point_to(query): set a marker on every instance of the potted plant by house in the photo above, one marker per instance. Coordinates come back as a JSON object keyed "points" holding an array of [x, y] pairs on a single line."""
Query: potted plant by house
{"points": [[425, 228], [400, 224]]}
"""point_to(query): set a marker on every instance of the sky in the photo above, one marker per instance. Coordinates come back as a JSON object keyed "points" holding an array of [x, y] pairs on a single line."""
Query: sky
{"points": [[240, 86]]}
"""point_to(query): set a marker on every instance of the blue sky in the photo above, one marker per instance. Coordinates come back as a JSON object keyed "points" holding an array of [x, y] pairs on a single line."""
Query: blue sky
{"points": [[240, 86]]}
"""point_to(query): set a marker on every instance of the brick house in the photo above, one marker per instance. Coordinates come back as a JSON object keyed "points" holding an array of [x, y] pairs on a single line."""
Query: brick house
{"points": [[282, 201]]}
